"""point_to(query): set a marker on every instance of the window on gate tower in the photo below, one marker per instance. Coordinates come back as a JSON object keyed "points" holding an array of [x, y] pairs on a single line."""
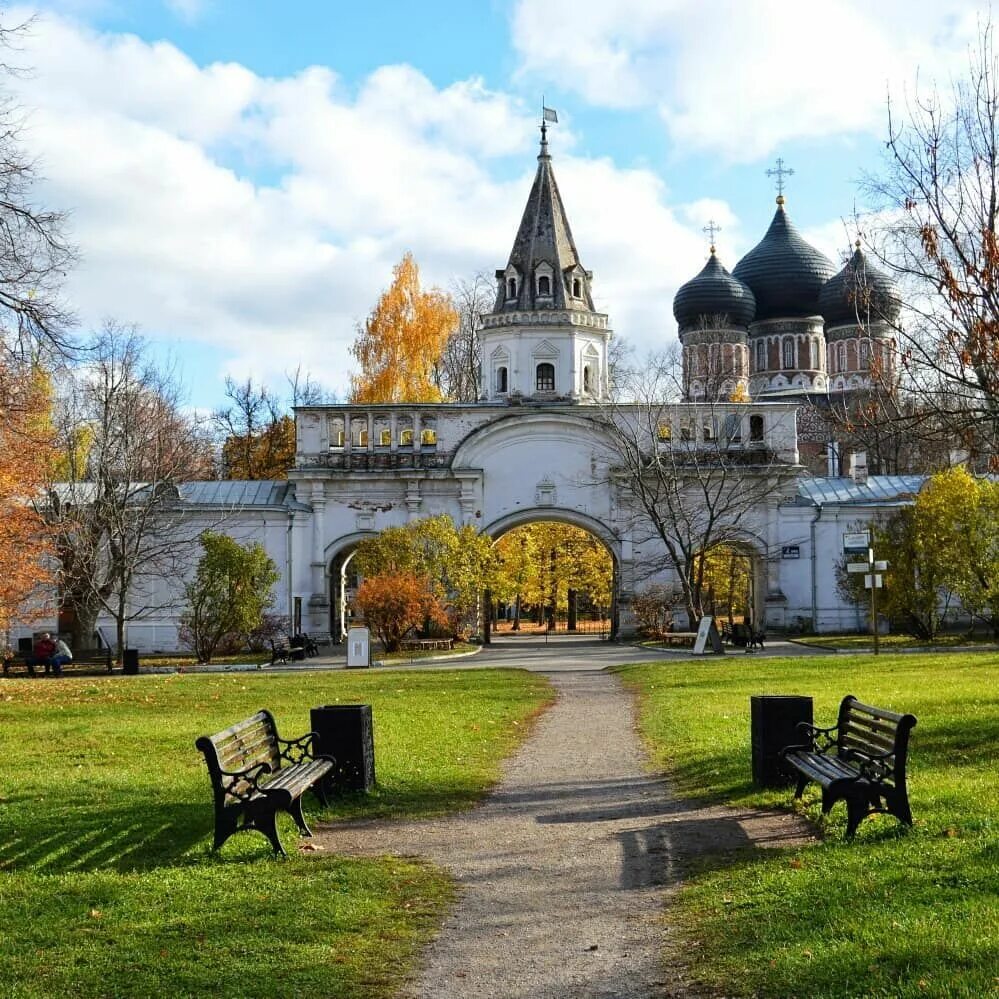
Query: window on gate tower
{"points": [[545, 377]]}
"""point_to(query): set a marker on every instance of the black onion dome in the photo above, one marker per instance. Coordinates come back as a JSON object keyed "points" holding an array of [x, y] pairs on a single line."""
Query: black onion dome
{"points": [[784, 272], [859, 291], [714, 292]]}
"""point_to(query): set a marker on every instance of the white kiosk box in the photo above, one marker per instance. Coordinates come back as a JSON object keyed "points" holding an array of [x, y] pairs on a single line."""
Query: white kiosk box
{"points": [[358, 648]]}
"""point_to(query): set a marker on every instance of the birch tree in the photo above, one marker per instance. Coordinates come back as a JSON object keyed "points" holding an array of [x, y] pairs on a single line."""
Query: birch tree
{"points": [[401, 342]]}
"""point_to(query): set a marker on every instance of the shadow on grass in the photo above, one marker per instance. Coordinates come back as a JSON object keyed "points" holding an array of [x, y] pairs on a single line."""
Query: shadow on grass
{"points": [[75, 835]]}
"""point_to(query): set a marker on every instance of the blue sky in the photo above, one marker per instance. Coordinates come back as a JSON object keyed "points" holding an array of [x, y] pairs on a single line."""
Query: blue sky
{"points": [[243, 174]]}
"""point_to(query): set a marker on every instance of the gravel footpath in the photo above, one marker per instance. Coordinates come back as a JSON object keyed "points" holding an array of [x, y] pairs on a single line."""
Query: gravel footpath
{"points": [[565, 870]]}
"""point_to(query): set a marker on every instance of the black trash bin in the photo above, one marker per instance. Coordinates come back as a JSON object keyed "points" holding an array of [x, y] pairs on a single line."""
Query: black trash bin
{"points": [[345, 732], [130, 662], [774, 725]]}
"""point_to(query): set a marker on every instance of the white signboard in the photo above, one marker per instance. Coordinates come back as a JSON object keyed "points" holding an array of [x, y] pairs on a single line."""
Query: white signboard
{"points": [[358, 648], [706, 631], [856, 542]]}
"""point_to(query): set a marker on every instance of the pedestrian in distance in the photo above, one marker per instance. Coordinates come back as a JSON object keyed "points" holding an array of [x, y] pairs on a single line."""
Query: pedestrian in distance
{"points": [[62, 655], [42, 654]]}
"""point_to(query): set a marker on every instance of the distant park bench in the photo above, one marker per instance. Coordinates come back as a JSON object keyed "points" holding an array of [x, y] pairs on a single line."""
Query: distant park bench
{"points": [[316, 641], [282, 651], [682, 639], [255, 774], [425, 644], [82, 661], [861, 760]]}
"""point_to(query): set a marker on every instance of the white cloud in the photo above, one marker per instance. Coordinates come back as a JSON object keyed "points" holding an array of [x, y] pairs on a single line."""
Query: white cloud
{"points": [[187, 10], [157, 157], [740, 78]]}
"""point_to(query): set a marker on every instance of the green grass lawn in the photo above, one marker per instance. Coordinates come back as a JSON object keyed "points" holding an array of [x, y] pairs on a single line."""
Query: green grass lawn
{"points": [[888, 642], [107, 885], [895, 913]]}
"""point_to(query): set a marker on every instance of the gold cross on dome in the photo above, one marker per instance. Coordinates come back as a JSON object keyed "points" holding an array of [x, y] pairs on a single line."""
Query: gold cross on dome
{"points": [[711, 228]]}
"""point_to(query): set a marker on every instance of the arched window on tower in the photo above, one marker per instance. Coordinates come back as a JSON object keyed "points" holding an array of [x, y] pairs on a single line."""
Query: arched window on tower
{"points": [[577, 288], [841, 356], [813, 344], [544, 286], [865, 354], [587, 378], [788, 359], [511, 287], [501, 383], [545, 377], [761, 355]]}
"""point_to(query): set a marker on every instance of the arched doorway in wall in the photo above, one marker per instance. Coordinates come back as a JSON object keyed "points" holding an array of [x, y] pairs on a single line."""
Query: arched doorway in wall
{"points": [[343, 582], [555, 577]]}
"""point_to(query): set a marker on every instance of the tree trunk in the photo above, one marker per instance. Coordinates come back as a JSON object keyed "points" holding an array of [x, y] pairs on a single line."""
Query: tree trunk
{"points": [[516, 615], [84, 626]]}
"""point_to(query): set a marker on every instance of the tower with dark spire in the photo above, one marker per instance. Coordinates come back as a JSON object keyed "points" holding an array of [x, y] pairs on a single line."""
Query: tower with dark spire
{"points": [[544, 341]]}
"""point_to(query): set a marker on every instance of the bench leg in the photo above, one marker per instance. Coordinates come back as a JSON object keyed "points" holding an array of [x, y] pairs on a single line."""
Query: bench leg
{"points": [[225, 826], [802, 784], [295, 811], [856, 810], [266, 822]]}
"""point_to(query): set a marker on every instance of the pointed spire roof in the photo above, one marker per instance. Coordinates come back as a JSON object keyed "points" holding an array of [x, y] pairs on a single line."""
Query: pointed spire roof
{"points": [[544, 238]]}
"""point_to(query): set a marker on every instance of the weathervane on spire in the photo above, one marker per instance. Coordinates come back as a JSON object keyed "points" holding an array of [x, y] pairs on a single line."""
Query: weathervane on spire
{"points": [[547, 115], [780, 173], [711, 228]]}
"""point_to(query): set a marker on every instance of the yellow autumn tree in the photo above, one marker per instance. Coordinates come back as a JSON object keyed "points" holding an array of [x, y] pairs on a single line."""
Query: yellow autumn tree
{"points": [[401, 341], [26, 548]]}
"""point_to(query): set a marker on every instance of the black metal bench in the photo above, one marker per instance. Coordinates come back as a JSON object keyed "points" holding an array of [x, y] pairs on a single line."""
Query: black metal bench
{"points": [[282, 651], [255, 774], [861, 760], [314, 642], [94, 657], [755, 639]]}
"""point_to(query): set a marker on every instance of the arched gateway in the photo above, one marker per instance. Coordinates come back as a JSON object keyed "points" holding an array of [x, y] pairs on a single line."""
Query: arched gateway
{"points": [[543, 442]]}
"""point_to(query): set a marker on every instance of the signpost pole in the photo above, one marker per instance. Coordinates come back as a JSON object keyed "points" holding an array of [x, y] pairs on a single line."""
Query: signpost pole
{"points": [[872, 570], [874, 610]]}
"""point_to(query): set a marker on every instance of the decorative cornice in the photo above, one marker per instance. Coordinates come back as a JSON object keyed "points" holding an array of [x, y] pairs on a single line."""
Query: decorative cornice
{"points": [[590, 320]]}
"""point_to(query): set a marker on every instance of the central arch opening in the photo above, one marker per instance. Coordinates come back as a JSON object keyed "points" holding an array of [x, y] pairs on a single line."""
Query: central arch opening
{"points": [[553, 578]]}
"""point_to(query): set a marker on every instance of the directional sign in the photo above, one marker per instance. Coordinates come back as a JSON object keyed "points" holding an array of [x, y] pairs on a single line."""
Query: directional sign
{"points": [[881, 566], [858, 567], [873, 582], [857, 542]]}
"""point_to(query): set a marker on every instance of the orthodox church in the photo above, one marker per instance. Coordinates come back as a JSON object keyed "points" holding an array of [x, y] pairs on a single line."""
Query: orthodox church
{"points": [[760, 344]]}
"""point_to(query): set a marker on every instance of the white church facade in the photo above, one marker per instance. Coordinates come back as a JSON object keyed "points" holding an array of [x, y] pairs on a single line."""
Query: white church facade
{"points": [[539, 444]]}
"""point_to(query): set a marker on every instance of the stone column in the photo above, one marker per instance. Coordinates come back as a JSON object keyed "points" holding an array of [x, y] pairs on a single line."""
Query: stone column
{"points": [[318, 601]]}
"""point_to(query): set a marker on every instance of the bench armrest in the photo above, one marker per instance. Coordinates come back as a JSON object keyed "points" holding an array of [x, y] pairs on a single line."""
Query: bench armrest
{"points": [[296, 750], [873, 766], [251, 776], [814, 735]]}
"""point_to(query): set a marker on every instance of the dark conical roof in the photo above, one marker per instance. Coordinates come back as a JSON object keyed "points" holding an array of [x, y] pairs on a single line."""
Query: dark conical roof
{"points": [[714, 292], [784, 272], [859, 293], [544, 236]]}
